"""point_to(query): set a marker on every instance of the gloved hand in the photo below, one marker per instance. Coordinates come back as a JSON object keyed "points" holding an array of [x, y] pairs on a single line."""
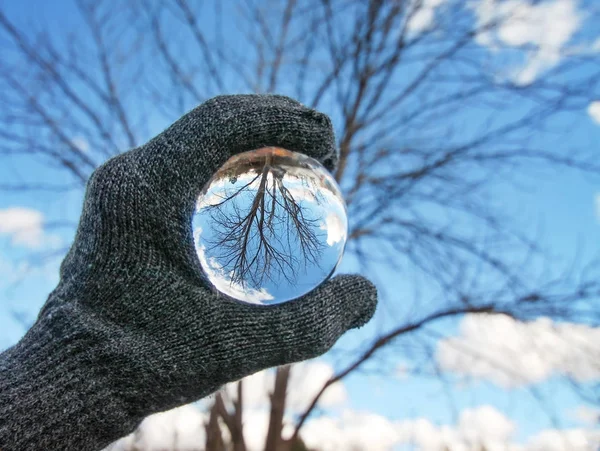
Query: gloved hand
{"points": [[132, 329]]}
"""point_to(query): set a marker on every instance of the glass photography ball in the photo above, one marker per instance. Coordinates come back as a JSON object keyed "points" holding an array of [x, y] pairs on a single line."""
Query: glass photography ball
{"points": [[269, 226]]}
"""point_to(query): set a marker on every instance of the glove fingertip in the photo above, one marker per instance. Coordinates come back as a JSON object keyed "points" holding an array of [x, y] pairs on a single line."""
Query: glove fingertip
{"points": [[355, 295], [302, 329]]}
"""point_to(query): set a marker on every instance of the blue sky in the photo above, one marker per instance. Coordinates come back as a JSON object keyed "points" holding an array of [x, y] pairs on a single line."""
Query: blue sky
{"points": [[559, 206]]}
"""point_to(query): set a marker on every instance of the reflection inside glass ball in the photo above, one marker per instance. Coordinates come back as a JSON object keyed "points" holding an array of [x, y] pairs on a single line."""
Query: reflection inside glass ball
{"points": [[269, 226]]}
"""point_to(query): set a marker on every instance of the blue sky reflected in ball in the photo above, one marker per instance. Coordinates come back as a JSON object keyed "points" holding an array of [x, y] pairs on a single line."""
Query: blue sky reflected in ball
{"points": [[270, 226]]}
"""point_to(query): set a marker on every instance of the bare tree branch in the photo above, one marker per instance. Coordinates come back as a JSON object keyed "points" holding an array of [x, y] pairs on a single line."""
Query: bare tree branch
{"points": [[378, 344]]}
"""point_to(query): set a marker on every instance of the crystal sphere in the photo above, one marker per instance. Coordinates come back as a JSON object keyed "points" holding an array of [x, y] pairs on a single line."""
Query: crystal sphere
{"points": [[269, 226]]}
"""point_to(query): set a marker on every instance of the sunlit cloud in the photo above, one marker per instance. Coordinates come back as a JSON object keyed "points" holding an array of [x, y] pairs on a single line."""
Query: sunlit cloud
{"points": [[577, 439], [512, 353], [586, 415], [476, 428], [482, 427], [23, 225], [423, 14], [351, 431], [545, 28], [81, 143], [594, 111], [336, 228], [182, 427], [307, 379], [223, 281]]}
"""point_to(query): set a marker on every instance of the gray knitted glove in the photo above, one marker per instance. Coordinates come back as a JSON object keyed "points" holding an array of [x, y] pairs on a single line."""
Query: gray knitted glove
{"points": [[132, 329]]}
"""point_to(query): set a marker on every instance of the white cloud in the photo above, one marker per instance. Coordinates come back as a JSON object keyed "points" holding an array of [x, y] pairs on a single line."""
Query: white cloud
{"points": [[307, 379], [81, 143], [211, 198], [594, 111], [223, 281], [255, 389], [181, 428], [564, 440], [513, 353], [313, 187], [336, 228], [478, 427], [23, 225], [545, 27], [482, 427], [587, 415], [256, 426], [352, 431], [423, 17]]}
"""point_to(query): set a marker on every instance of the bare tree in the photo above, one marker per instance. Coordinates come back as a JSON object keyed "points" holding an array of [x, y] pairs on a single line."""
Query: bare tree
{"points": [[428, 120]]}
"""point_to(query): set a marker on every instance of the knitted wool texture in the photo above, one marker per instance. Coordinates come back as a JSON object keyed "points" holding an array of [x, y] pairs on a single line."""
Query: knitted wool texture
{"points": [[132, 327]]}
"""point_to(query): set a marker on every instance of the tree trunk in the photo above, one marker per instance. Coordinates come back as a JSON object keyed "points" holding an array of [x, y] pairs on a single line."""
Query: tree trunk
{"points": [[214, 438], [239, 444], [233, 421], [274, 441]]}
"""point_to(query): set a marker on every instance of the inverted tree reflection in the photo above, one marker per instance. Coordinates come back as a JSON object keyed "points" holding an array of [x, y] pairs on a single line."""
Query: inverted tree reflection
{"points": [[263, 222]]}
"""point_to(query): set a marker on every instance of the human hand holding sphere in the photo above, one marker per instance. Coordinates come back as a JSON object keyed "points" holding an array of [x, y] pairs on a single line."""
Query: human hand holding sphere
{"points": [[134, 326]]}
